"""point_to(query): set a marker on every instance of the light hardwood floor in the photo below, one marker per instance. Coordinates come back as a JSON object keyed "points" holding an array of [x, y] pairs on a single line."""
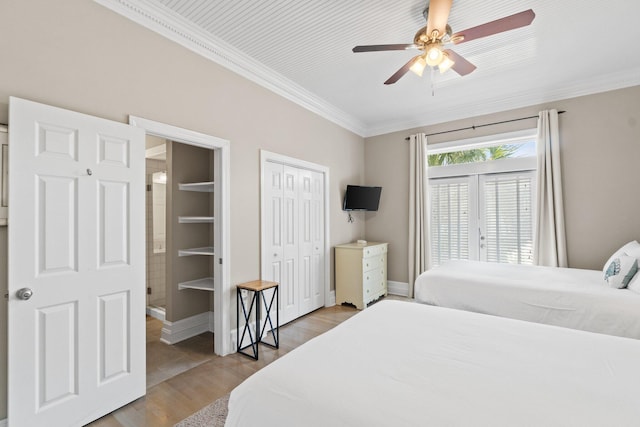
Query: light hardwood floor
{"points": [[187, 376]]}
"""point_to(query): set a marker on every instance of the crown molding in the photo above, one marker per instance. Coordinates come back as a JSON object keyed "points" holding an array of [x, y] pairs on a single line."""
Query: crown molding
{"points": [[159, 19], [177, 29], [597, 84]]}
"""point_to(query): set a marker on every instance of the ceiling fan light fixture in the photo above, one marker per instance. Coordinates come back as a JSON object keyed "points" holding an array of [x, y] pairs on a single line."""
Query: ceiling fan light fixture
{"points": [[433, 54], [446, 63], [418, 66]]}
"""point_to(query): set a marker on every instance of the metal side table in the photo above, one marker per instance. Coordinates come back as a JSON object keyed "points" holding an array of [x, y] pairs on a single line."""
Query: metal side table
{"points": [[258, 299]]}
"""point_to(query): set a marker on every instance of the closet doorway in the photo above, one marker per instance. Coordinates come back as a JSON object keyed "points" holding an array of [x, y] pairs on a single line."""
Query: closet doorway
{"points": [[180, 325], [294, 232], [155, 209]]}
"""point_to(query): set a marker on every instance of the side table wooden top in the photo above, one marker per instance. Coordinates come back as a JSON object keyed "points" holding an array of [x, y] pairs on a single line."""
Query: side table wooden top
{"points": [[257, 285]]}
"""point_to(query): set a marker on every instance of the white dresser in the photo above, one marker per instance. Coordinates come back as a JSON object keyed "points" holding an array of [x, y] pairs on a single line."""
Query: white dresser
{"points": [[361, 273]]}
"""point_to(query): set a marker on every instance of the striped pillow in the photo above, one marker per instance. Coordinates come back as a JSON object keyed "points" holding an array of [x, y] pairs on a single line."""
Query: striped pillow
{"points": [[620, 271]]}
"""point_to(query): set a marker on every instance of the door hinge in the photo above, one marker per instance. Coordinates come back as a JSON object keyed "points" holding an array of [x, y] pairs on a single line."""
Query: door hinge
{"points": [[148, 187], [220, 261], [149, 290]]}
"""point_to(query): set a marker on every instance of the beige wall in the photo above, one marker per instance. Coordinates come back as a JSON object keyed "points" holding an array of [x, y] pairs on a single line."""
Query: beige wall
{"points": [[600, 150], [78, 55]]}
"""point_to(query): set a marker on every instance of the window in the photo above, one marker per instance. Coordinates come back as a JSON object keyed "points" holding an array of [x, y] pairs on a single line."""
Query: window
{"points": [[506, 228], [483, 208], [451, 221]]}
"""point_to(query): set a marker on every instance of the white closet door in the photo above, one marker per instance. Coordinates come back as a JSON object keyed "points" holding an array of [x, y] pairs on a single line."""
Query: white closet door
{"points": [[290, 274], [307, 273], [317, 240], [293, 232], [273, 179]]}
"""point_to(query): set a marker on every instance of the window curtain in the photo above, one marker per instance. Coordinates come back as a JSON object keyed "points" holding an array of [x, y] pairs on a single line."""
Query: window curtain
{"points": [[419, 244], [549, 245]]}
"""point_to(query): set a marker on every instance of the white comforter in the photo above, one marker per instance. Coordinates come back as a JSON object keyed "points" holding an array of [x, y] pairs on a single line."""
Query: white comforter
{"points": [[406, 364], [566, 297]]}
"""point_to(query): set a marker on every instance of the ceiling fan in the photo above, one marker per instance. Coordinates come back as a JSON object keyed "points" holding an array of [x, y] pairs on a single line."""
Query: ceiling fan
{"points": [[432, 38]]}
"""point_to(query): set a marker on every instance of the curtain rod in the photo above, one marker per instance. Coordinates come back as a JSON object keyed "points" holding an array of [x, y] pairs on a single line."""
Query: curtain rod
{"points": [[474, 127]]}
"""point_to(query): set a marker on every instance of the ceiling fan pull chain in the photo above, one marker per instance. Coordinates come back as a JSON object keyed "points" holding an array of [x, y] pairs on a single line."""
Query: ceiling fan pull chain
{"points": [[433, 86]]}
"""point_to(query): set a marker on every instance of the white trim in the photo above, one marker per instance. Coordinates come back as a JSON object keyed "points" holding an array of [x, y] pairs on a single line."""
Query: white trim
{"points": [[212, 322], [603, 82], [331, 300], [398, 288], [480, 168], [222, 159], [180, 330], [156, 313], [4, 423], [267, 156], [158, 152], [176, 28], [483, 141]]}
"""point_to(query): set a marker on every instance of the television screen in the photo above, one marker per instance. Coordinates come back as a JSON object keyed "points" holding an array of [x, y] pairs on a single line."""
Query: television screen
{"points": [[359, 198]]}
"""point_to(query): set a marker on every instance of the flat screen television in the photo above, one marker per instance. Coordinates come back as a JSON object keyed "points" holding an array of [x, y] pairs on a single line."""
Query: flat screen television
{"points": [[360, 198]]}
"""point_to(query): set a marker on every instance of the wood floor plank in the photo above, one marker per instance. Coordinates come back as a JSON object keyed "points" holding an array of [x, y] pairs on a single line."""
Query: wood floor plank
{"points": [[185, 377]]}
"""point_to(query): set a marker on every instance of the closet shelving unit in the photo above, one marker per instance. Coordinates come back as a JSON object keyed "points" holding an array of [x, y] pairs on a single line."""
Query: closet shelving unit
{"points": [[205, 283]]}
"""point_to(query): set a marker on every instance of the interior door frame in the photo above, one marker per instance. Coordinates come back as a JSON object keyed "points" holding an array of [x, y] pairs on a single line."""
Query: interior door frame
{"points": [[267, 156], [222, 240]]}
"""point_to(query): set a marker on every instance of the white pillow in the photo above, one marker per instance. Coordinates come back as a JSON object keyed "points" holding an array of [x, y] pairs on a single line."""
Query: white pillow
{"points": [[632, 248], [634, 284], [620, 271]]}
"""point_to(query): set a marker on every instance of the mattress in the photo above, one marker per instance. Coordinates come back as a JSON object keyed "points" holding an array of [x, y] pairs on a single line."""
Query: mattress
{"points": [[406, 364], [567, 297]]}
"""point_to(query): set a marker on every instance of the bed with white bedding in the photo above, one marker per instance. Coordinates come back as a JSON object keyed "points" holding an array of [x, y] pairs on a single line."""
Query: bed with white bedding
{"points": [[406, 364], [568, 297]]}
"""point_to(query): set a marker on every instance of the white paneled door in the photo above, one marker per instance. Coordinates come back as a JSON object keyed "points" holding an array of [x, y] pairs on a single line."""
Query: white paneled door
{"points": [[293, 233], [76, 266]]}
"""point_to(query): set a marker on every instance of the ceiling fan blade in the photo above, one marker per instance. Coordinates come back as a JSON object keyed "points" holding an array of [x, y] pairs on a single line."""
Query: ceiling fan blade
{"points": [[507, 23], [382, 47], [461, 65], [438, 16], [402, 71]]}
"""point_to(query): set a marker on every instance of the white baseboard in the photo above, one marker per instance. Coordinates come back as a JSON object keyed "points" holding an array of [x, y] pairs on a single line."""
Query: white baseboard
{"points": [[332, 299], [180, 330], [398, 288], [4, 423], [155, 312]]}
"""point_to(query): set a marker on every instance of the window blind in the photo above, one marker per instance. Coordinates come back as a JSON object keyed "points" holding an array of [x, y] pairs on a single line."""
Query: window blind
{"points": [[449, 220], [507, 205]]}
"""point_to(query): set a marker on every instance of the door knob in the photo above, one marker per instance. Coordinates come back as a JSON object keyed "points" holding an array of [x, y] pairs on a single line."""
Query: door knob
{"points": [[24, 293]]}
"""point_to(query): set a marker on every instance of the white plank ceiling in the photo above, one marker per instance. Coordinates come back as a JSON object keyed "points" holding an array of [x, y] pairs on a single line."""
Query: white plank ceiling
{"points": [[302, 48]]}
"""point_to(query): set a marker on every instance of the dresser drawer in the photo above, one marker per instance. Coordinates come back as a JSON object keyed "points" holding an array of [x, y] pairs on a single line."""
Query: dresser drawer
{"points": [[378, 261], [373, 282], [374, 250]]}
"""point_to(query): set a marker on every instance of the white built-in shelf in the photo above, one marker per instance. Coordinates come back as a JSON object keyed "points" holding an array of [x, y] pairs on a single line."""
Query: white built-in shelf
{"points": [[194, 219], [205, 187], [208, 250], [205, 284]]}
